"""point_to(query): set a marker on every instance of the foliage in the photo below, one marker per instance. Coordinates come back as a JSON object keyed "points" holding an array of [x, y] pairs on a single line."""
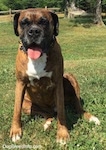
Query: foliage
{"points": [[22, 4], [2, 5], [87, 5], [104, 5]]}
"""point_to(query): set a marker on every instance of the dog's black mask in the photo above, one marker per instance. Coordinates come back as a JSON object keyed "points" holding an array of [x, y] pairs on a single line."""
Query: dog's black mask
{"points": [[36, 28]]}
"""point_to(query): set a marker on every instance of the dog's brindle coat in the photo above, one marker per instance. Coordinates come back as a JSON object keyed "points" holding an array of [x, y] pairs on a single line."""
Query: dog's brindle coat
{"points": [[40, 86]]}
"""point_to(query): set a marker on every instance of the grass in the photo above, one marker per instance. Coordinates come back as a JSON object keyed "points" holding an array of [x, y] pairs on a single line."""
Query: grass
{"points": [[84, 51]]}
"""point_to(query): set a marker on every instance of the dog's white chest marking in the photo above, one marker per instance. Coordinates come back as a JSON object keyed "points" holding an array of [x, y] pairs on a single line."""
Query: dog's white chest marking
{"points": [[36, 68]]}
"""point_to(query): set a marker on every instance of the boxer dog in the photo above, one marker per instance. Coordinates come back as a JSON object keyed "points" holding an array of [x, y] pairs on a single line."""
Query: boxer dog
{"points": [[41, 87]]}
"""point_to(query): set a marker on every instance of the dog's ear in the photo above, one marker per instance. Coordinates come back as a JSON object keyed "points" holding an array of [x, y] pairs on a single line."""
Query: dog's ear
{"points": [[16, 17], [56, 23]]}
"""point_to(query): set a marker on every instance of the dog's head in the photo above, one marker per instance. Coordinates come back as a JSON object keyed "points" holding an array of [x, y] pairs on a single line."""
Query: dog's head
{"points": [[36, 28]]}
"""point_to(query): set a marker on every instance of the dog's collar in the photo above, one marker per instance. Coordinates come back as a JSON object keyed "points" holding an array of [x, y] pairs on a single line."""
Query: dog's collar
{"points": [[22, 48]]}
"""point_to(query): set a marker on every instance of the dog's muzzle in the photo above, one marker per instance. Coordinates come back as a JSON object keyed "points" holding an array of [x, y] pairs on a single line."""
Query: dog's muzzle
{"points": [[32, 37], [35, 35], [34, 32]]}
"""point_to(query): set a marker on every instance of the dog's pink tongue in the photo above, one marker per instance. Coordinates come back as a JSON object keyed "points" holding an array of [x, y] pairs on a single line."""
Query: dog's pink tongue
{"points": [[34, 53]]}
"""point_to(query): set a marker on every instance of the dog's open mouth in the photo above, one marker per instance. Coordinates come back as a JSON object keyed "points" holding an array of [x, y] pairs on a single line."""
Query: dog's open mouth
{"points": [[34, 52]]}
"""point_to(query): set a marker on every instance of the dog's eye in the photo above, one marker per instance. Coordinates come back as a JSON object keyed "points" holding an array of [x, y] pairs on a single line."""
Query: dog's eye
{"points": [[43, 21], [24, 22]]}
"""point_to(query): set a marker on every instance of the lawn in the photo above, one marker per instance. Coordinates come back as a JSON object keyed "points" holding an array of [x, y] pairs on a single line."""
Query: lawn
{"points": [[84, 51]]}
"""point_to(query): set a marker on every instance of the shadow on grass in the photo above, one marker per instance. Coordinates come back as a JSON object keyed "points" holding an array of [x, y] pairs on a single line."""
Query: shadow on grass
{"points": [[85, 21], [71, 116]]}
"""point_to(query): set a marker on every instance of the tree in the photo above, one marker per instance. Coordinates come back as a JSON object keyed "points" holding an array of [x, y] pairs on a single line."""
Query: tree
{"points": [[72, 5], [98, 17], [2, 5], [23, 4]]}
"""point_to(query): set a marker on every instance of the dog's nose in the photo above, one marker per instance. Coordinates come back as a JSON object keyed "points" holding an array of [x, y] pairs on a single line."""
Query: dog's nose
{"points": [[34, 32]]}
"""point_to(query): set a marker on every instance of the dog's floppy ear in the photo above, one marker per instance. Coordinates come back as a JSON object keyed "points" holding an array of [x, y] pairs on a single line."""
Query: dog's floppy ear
{"points": [[16, 17], [56, 23]]}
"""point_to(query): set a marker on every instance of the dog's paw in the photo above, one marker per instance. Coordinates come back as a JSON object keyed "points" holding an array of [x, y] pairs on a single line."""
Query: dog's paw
{"points": [[91, 118], [95, 120], [62, 135], [15, 134], [47, 125]]}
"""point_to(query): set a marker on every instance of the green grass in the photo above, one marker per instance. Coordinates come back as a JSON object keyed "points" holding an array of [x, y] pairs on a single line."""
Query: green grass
{"points": [[84, 51]]}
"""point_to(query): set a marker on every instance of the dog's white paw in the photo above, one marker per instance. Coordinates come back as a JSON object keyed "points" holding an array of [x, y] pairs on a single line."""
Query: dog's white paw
{"points": [[61, 142], [62, 135], [47, 124], [15, 133], [15, 137], [95, 120]]}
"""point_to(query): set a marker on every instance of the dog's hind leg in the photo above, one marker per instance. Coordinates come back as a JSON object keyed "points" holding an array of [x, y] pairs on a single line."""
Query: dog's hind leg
{"points": [[72, 96], [26, 107]]}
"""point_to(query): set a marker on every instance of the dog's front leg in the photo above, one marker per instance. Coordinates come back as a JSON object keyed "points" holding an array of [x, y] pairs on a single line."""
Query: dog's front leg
{"points": [[16, 131], [62, 131]]}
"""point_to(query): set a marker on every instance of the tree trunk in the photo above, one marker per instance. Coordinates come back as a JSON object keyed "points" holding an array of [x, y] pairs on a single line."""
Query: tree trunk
{"points": [[67, 3], [73, 5], [98, 17], [71, 8]]}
